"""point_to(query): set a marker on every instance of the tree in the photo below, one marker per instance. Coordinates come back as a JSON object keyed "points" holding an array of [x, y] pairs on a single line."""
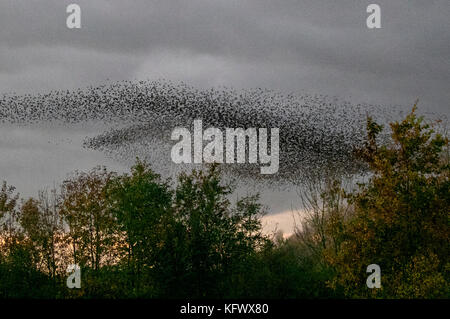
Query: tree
{"points": [[8, 199], [217, 238], [401, 217], [42, 224], [8, 214], [19, 260], [91, 225], [325, 210], [141, 204]]}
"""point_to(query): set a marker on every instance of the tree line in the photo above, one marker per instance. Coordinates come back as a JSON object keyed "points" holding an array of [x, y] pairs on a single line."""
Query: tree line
{"points": [[136, 235]]}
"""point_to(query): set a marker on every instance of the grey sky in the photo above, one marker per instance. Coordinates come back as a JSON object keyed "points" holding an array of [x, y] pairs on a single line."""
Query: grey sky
{"points": [[317, 46]]}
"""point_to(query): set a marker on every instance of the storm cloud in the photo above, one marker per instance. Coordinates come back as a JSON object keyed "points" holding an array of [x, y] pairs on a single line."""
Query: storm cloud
{"points": [[317, 46], [302, 47]]}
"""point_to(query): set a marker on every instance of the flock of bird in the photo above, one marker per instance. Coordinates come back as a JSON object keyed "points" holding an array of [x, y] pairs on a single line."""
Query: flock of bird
{"points": [[317, 133]]}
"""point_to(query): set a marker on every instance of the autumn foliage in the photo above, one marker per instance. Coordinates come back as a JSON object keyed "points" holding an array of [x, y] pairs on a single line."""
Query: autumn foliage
{"points": [[138, 236]]}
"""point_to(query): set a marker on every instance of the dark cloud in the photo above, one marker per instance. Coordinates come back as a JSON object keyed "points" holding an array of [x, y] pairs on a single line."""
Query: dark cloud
{"points": [[292, 45]]}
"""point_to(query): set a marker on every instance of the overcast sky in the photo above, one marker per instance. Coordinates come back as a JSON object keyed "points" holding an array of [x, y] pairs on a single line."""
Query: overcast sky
{"points": [[319, 46], [312, 46]]}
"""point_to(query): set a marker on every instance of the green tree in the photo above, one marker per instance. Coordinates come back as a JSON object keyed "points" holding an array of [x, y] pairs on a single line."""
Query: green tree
{"points": [[217, 238], [141, 204], [401, 217]]}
